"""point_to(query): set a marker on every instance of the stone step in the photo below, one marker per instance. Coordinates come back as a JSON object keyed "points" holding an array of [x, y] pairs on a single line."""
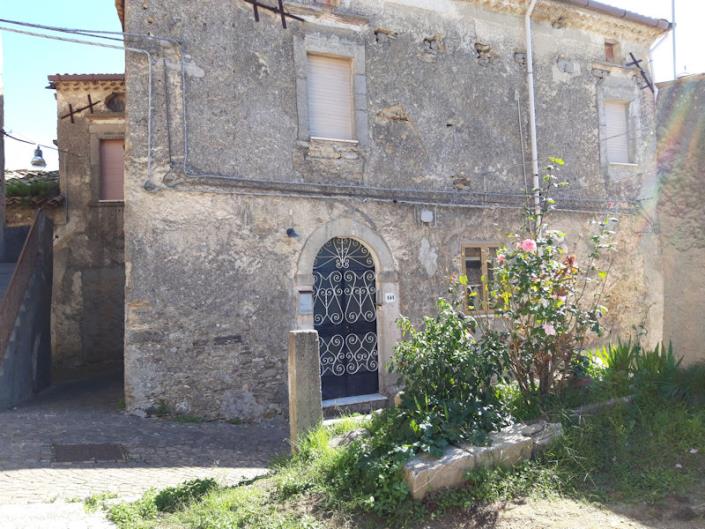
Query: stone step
{"points": [[358, 404]]}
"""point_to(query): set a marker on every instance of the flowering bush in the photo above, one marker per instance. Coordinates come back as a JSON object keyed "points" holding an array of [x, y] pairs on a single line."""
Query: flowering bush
{"points": [[547, 303]]}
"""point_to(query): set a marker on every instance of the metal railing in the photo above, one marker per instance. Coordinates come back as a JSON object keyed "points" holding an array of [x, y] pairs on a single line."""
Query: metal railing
{"points": [[36, 246]]}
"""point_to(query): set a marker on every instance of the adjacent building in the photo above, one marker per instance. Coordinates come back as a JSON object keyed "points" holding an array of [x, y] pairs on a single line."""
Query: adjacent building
{"points": [[681, 220], [89, 270], [335, 173]]}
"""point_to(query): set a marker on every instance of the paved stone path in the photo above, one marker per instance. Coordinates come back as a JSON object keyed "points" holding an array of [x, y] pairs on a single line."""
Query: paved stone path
{"points": [[160, 452]]}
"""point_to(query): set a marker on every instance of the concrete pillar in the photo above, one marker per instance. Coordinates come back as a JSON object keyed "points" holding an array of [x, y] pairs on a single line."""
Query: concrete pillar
{"points": [[305, 411]]}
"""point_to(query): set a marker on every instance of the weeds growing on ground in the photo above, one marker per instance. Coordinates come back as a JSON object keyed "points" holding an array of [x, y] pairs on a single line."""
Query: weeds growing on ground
{"points": [[643, 450]]}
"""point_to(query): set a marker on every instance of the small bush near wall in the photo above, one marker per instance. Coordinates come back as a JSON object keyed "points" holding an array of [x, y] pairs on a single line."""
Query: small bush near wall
{"points": [[447, 377]]}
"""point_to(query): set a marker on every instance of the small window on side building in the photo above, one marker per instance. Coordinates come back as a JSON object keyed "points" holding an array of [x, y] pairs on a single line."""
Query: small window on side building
{"points": [[610, 51], [112, 155], [330, 97], [477, 267], [617, 132]]}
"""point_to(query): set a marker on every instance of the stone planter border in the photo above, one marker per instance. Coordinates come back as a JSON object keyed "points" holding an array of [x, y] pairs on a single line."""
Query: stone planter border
{"points": [[511, 445]]}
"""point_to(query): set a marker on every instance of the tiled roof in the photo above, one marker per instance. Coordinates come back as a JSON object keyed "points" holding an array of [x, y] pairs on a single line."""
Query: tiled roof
{"points": [[73, 77]]}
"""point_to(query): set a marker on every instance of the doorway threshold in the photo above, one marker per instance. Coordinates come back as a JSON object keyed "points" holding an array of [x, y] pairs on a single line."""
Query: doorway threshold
{"points": [[356, 399]]}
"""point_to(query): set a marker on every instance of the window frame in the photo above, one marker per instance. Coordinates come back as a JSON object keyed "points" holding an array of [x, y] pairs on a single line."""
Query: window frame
{"points": [[616, 50], [485, 248], [353, 127], [629, 132], [338, 47], [103, 131], [102, 200]]}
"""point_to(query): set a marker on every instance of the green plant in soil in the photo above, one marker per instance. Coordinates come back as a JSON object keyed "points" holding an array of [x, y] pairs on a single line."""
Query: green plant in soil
{"points": [[447, 377], [633, 452]]}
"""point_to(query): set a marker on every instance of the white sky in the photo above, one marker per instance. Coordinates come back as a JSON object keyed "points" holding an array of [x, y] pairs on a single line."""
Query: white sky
{"points": [[690, 34]]}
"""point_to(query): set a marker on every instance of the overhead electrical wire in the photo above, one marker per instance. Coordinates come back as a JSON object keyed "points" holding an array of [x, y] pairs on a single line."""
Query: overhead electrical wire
{"points": [[120, 37]]}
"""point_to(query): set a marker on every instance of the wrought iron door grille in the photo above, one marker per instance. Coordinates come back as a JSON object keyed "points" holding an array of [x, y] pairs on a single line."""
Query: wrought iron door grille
{"points": [[345, 317]]}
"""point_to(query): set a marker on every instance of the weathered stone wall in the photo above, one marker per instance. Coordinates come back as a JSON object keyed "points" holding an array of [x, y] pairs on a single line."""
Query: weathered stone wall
{"points": [[88, 291], [2, 153], [681, 213], [211, 272]]}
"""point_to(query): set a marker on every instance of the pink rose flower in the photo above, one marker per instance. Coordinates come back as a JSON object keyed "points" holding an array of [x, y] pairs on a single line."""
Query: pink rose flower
{"points": [[549, 329], [501, 258], [528, 245]]}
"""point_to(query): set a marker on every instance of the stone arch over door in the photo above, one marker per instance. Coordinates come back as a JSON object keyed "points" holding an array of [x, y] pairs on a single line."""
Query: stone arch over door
{"points": [[387, 278]]}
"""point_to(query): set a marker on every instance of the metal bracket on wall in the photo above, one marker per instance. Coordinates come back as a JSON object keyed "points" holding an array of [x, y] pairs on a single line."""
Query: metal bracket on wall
{"points": [[637, 62], [279, 9], [71, 113]]}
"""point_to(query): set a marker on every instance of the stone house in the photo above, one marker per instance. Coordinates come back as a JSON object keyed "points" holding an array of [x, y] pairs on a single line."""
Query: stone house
{"points": [[89, 272], [681, 216], [335, 173]]}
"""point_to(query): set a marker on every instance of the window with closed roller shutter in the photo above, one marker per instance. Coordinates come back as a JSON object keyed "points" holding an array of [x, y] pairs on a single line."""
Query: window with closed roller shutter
{"points": [[112, 154], [617, 131], [330, 97]]}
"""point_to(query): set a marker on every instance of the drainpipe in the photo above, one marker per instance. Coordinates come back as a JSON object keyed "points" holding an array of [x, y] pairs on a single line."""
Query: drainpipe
{"points": [[532, 114]]}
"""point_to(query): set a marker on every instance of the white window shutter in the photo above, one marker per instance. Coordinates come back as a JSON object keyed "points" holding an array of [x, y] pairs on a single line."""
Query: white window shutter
{"points": [[330, 97], [617, 131]]}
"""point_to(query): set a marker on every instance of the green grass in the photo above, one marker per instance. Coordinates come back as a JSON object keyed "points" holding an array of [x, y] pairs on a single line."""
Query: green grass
{"points": [[640, 451], [94, 502]]}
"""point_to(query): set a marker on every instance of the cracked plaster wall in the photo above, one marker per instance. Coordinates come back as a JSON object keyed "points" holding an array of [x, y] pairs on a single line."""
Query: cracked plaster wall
{"points": [[211, 270]]}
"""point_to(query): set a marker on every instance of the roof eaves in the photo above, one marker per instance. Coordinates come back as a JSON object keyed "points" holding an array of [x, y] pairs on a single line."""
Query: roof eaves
{"points": [[618, 12]]}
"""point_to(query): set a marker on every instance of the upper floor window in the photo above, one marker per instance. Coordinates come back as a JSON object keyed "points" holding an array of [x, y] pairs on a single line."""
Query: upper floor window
{"points": [[330, 97], [617, 132], [112, 154], [611, 51]]}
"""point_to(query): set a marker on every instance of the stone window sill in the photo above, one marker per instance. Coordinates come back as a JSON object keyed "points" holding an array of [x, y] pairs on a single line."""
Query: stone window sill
{"points": [[108, 204], [623, 164], [333, 140]]}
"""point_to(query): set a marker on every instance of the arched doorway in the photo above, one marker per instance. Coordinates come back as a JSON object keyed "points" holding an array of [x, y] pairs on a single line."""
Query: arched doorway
{"points": [[345, 316]]}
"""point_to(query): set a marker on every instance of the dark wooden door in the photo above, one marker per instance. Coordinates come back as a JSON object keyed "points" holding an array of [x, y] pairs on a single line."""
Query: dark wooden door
{"points": [[345, 317]]}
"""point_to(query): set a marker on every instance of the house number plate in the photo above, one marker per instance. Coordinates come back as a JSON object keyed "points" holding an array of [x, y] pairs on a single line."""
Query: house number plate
{"points": [[390, 297]]}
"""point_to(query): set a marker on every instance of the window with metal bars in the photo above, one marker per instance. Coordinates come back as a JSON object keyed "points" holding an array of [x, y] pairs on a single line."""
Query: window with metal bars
{"points": [[477, 267]]}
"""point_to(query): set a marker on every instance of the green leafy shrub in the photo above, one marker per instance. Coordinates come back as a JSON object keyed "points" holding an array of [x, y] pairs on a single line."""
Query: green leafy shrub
{"points": [[172, 499], [447, 377], [618, 363], [35, 188], [689, 384]]}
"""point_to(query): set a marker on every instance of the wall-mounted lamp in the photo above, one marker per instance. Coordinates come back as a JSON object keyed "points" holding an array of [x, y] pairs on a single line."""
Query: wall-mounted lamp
{"points": [[38, 158], [291, 232]]}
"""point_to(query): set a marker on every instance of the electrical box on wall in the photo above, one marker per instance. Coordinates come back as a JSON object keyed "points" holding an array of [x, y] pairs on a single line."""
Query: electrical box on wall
{"points": [[306, 302]]}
